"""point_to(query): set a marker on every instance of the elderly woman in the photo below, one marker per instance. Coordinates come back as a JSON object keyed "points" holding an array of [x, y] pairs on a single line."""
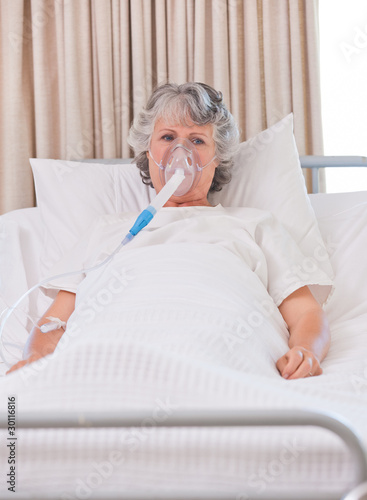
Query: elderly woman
{"points": [[195, 112]]}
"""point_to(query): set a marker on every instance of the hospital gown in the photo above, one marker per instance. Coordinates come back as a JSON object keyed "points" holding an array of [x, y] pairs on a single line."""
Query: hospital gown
{"points": [[253, 236]]}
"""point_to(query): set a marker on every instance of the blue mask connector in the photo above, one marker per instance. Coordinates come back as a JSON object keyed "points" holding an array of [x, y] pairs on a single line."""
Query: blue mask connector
{"points": [[143, 220], [162, 197]]}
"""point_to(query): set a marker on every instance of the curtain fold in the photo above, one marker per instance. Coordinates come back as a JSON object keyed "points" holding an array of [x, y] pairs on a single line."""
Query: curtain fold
{"points": [[74, 74], [17, 134]]}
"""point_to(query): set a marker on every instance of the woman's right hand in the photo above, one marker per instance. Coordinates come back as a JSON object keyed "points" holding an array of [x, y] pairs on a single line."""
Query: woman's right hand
{"points": [[41, 344]]}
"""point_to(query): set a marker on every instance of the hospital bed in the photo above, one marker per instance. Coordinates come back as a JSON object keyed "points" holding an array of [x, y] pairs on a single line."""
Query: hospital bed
{"points": [[268, 439]]}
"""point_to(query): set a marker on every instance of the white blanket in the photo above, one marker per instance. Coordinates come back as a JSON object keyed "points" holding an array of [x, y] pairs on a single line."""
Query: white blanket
{"points": [[169, 327], [184, 305], [253, 236], [197, 301]]}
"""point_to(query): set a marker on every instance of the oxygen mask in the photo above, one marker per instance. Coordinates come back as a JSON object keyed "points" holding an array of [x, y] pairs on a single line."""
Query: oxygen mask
{"points": [[181, 155]]}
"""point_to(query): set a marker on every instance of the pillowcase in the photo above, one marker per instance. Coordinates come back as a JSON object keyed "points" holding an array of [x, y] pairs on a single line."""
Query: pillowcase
{"points": [[72, 195], [266, 175], [345, 234], [21, 237], [333, 203]]}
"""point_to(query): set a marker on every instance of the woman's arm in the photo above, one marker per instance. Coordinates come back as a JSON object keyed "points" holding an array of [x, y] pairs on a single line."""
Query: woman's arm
{"points": [[309, 335], [40, 344]]}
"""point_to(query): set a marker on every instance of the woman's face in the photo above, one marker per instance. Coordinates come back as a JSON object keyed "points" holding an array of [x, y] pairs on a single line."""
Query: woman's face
{"points": [[202, 138]]}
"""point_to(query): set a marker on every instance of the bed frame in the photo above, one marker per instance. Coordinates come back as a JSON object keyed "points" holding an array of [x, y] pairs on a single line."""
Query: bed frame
{"points": [[317, 162], [253, 418]]}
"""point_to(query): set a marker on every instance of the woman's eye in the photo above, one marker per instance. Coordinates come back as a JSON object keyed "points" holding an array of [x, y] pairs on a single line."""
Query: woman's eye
{"points": [[198, 141], [167, 137]]}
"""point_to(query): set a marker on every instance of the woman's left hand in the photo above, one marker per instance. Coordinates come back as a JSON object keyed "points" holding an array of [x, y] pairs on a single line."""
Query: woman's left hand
{"points": [[298, 362]]}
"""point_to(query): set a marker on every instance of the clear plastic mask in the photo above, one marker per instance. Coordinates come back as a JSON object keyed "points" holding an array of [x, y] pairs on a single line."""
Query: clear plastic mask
{"points": [[181, 154]]}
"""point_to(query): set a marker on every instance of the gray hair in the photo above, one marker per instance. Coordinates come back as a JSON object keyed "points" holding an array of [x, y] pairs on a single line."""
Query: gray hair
{"points": [[193, 102]]}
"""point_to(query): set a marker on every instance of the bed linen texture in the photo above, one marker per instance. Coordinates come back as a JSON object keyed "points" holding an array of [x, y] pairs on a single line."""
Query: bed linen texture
{"points": [[117, 373]]}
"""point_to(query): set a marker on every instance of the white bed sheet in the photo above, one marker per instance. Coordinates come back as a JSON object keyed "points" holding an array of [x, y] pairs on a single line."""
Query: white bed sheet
{"points": [[134, 375]]}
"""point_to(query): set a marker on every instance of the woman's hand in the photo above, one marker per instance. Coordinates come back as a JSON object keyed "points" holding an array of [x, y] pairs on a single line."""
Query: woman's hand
{"points": [[309, 335], [24, 362], [299, 362], [41, 344]]}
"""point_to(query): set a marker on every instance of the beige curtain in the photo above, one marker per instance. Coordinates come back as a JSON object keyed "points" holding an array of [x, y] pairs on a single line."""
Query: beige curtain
{"points": [[74, 73]]}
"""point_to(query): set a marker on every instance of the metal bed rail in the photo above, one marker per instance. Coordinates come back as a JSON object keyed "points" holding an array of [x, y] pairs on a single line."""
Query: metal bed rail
{"points": [[207, 418], [316, 162]]}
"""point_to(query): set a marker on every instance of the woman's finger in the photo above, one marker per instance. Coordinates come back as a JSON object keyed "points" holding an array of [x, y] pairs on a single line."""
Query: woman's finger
{"points": [[294, 358], [310, 366], [305, 369]]}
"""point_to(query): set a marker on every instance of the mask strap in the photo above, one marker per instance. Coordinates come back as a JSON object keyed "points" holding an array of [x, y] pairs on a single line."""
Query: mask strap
{"points": [[209, 162], [158, 164]]}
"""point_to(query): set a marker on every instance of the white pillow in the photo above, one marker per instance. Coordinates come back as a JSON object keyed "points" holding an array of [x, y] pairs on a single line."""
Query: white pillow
{"points": [[345, 234], [266, 175], [72, 195], [333, 203], [21, 236]]}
